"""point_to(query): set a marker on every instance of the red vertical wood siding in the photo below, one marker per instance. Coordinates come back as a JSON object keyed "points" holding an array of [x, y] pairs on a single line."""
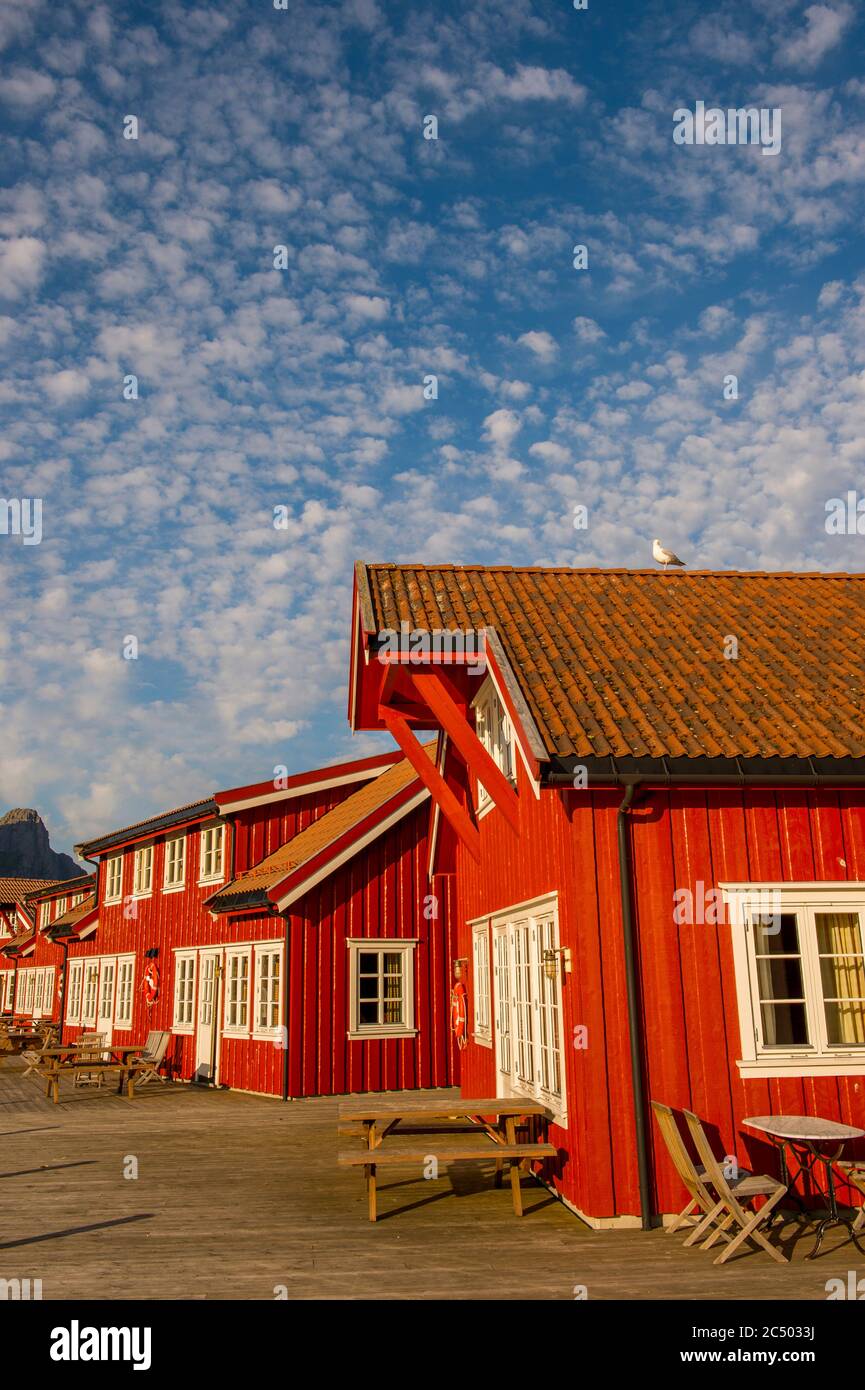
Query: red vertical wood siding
{"points": [[379, 892], [680, 838]]}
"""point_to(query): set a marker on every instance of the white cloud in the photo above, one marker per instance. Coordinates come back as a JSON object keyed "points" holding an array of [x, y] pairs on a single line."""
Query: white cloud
{"points": [[373, 307], [824, 26], [587, 331], [25, 88], [501, 427], [21, 264], [541, 343], [67, 385]]}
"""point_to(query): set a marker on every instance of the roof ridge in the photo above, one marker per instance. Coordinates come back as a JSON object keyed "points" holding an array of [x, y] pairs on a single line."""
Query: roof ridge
{"points": [[603, 569]]}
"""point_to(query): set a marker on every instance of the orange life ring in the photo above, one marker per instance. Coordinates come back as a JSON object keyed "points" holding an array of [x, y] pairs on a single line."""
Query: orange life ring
{"points": [[150, 984], [459, 1014]]}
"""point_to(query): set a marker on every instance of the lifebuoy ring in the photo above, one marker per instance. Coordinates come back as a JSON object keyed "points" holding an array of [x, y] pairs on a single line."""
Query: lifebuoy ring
{"points": [[150, 984], [459, 1014]]}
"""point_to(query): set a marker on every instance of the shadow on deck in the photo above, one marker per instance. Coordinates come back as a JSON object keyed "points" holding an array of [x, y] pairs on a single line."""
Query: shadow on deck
{"points": [[185, 1193]]}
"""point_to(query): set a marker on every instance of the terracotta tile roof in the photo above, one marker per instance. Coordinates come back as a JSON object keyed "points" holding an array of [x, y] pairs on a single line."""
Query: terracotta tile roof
{"points": [[15, 943], [630, 663], [254, 883], [61, 887], [14, 890], [74, 915], [163, 821]]}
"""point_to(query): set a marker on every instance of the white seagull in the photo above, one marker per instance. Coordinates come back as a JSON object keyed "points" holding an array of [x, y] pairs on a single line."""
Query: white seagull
{"points": [[664, 557]]}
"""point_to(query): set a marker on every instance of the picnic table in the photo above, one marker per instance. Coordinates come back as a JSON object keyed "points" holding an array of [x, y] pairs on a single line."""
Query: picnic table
{"points": [[807, 1136], [495, 1117], [52, 1062]]}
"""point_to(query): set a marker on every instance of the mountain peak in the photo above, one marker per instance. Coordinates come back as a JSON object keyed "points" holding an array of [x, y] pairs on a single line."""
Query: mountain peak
{"points": [[25, 849]]}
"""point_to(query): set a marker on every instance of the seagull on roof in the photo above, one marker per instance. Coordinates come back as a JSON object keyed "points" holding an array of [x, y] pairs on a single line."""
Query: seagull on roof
{"points": [[664, 557]]}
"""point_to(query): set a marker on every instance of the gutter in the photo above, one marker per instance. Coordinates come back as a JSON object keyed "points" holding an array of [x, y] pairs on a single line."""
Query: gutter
{"points": [[631, 781]]}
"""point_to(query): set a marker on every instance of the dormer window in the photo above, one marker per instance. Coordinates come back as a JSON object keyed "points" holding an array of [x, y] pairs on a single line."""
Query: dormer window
{"points": [[495, 733]]}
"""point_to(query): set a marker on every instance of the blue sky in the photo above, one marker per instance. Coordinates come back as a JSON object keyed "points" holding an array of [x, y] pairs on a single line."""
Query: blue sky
{"points": [[302, 387]]}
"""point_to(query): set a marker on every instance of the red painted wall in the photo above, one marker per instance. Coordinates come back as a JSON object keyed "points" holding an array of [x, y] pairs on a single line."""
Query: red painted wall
{"points": [[379, 892], [568, 845]]}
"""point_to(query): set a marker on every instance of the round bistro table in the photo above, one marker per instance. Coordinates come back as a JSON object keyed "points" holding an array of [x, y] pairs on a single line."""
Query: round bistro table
{"points": [[808, 1136]]}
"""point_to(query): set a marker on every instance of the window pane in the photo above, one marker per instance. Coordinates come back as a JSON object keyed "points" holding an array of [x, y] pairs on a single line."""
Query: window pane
{"points": [[368, 1013], [776, 936], [780, 979], [784, 1025], [368, 987], [842, 976], [368, 963]]}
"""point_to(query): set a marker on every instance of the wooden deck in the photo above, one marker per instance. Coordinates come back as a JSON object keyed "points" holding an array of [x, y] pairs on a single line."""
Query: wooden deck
{"points": [[238, 1195]]}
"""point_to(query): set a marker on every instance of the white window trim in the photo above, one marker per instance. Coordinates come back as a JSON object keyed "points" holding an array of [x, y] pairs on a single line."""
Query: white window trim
{"points": [[531, 912], [482, 1032], [239, 1030], [486, 699], [741, 898], [211, 878], [260, 949], [88, 1020], [118, 896], [184, 1028], [148, 891], [123, 1025], [365, 1032], [177, 885], [76, 970]]}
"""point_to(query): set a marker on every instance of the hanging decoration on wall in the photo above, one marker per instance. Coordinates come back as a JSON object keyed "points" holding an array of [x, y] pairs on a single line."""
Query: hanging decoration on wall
{"points": [[150, 983], [459, 1007]]}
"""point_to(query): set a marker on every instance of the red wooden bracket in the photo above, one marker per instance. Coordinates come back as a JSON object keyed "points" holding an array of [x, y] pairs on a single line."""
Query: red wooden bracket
{"points": [[448, 714], [432, 780]]}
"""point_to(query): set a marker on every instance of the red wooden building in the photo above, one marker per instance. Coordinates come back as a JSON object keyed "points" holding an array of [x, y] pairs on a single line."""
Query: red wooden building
{"points": [[651, 795], [193, 930], [16, 931]]}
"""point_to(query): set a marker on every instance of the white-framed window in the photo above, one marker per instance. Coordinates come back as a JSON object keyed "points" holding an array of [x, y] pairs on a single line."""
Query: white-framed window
{"points": [[481, 984], [6, 981], [74, 985], [77, 898], [29, 990], [212, 840], [268, 980], [59, 907], [142, 873], [799, 957], [90, 997], [494, 730], [43, 990], [236, 1022], [175, 862], [527, 1003], [381, 988], [184, 993], [114, 879], [124, 997], [44, 914]]}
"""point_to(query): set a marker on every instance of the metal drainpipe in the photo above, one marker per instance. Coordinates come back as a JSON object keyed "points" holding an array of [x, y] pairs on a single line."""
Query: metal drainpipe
{"points": [[635, 1029], [285, 1010], [63, 984]]}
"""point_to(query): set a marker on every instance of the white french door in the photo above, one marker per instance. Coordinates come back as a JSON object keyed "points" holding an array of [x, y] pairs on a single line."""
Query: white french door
{"points": [[105, 1013], [528, 1007], [208, 1015]]}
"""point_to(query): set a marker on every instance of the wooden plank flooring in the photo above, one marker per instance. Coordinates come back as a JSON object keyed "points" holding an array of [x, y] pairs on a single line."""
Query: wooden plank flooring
{"points": [[238, 1196]]}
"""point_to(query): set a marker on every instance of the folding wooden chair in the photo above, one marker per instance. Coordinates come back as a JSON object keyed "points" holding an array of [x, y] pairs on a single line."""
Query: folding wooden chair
{"points": [[150, 1059], [732, 1194], [693, 1177], [31, 1055], [854, 1172], [89, 1047]]}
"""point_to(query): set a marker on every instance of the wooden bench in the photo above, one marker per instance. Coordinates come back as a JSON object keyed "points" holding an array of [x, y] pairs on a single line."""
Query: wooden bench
{"points": [[52, 1068], [518, 1155]]}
